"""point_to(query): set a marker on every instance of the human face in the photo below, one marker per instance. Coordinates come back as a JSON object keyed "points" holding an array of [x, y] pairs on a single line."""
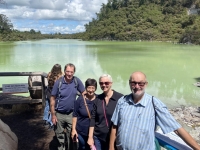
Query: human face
{"points": [[69, 72], [90, 90], [105, 84], [138, 84]]}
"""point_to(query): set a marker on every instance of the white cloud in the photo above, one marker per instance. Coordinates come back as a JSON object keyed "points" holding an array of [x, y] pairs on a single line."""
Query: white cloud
{"points": [[55, 11], [79, 28], [17, 2], [49, 4]]}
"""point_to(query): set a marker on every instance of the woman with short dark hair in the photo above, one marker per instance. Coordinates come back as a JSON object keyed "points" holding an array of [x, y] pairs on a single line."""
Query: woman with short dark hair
{"points": [[81, 114]]}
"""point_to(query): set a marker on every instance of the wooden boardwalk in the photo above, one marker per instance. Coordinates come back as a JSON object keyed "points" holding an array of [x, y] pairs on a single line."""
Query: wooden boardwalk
{"points": [[14, 99]]}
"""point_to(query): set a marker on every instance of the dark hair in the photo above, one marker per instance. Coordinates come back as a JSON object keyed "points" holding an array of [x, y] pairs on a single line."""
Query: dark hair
{"points": [[91, 82], [56, 68], [56, 73], [70, 65]]}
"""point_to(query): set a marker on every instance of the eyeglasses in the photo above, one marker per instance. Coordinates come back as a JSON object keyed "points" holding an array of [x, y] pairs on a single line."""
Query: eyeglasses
{"points": [[133, 83], [106, 83]]}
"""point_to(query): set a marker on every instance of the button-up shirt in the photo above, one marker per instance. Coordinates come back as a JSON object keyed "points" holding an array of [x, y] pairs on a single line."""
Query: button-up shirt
{"points": [[136, 122], [98, 120]]}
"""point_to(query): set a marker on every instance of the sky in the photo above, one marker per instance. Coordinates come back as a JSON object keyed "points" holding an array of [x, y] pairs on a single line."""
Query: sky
{"points": [[51, 16]]}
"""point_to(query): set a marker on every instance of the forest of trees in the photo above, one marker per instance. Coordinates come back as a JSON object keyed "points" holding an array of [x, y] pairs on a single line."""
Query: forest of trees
{"points": [[129, 20], [161, 20]]}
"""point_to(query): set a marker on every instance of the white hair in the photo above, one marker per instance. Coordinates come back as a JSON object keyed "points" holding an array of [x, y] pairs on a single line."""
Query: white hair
{"points": [[106, 75]]}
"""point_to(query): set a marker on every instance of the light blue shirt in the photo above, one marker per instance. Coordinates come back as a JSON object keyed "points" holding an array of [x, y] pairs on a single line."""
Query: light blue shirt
{"points": [[136, 122]]}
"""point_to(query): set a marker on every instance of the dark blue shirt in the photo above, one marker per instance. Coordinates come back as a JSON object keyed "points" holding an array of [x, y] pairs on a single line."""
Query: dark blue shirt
{"points": [[67, 95], [83, 120]]}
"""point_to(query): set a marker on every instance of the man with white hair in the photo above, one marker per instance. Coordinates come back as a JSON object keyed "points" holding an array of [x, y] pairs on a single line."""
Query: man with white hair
{"points": [[136, 116]]}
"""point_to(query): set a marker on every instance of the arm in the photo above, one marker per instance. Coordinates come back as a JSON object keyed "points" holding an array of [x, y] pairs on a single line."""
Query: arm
{"points": [[74, 133], [90, 136], [113, 137], [74, 118], [185, 136], [52, 108], [92, 124]]}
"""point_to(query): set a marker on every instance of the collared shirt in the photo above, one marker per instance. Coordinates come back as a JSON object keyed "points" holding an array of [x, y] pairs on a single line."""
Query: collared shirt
{"points": [[83, 120], [98, 120], [136, 122], [67, 95]]}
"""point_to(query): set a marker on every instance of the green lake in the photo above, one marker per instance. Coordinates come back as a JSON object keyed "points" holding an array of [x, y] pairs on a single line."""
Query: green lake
{"points": [[171, 69]]}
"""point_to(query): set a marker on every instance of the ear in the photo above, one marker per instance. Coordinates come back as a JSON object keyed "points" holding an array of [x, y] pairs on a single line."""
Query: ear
{"points": [[146, 83]]}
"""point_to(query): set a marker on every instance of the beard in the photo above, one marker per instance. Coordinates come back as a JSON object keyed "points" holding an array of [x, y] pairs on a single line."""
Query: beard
{"points": [[137, 93]]}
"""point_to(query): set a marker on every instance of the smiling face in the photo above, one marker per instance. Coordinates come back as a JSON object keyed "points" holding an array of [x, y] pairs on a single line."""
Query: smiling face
{"points": [[138, 84], [105, 84], [69, 73], [90, 90]]}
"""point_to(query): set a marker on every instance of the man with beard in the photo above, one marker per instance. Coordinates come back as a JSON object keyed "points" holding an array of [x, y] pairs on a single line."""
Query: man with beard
{"points": [[136, 116]]}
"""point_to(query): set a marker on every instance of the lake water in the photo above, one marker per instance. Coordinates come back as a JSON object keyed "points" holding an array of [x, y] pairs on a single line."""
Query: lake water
{"points": [[171, 69]]}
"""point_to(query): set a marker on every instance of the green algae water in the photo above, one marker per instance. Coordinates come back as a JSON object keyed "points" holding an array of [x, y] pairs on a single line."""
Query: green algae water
{"points": [[171, 69]]}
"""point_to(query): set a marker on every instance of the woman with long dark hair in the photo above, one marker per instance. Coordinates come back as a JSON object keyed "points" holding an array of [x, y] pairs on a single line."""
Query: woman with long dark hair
{"points": [[55, 74]]}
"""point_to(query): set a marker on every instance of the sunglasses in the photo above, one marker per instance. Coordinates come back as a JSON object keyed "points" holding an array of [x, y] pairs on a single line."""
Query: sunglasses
{"points": [[106, 83], [133, 83]]}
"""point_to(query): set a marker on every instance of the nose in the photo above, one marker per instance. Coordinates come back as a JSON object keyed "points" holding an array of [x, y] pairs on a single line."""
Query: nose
{"points": [[137, 85]]}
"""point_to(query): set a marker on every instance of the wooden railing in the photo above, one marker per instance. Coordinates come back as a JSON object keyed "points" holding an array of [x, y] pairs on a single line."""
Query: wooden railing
{"points": [[42, 87]]}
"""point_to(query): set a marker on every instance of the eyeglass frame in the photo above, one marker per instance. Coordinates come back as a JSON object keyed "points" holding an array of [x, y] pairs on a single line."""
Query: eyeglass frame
{"points": [[139, 83], [106, 83]]}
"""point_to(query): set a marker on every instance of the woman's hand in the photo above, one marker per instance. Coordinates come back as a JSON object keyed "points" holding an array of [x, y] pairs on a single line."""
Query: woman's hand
{"points": [[90, 141], [74, 133]]}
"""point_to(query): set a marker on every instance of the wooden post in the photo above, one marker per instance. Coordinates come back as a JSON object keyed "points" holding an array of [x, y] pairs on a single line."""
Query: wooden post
{"points": [[43, 91]]}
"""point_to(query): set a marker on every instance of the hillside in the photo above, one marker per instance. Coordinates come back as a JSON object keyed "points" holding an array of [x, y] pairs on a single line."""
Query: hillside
{"points": [[160, 20]]}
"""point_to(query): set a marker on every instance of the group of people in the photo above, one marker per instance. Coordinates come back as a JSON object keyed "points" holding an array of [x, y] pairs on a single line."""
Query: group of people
{"points": [[110, 120]]}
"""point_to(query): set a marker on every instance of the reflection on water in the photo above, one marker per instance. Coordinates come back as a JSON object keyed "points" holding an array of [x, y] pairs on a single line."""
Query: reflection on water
{"points": [[171, 69]]}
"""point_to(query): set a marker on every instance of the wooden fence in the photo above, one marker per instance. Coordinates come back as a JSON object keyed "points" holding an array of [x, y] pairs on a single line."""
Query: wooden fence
{"points": [[25, 99]]}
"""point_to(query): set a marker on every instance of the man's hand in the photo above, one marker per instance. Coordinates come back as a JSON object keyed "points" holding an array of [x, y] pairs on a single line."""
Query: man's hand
{"points": [[54, 119]]}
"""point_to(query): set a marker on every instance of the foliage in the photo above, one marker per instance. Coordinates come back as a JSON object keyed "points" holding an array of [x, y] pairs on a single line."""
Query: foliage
{"points": [[143, 20], [129, 20], [5, 24]]}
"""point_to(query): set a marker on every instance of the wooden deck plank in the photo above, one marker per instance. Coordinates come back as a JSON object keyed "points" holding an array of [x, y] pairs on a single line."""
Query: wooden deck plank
{"points": [[20, 101], [15, 99]]}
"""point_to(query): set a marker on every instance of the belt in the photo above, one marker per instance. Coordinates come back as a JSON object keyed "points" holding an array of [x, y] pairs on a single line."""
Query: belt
{"points": [[64, 113]]}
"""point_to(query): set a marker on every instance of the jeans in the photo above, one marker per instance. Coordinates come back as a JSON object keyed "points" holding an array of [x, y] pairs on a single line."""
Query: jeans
{"points": [[100, 145], [82, 139], [47, 115]]}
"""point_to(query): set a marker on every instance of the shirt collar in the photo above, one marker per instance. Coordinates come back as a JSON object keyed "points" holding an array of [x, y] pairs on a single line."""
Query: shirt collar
{"points": [[114, 96], [63, 80], [142, 102]]}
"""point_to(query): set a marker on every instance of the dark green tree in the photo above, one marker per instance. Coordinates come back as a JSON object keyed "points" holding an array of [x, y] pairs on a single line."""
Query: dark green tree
{"points": [[5, 24]]}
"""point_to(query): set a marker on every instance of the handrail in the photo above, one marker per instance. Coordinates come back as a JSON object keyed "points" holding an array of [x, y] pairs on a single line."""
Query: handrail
{"points": [[42, 74], [23, 74]]}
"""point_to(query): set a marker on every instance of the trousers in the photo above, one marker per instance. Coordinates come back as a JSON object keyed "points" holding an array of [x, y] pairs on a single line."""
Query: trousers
{"points": [[63, 131]]}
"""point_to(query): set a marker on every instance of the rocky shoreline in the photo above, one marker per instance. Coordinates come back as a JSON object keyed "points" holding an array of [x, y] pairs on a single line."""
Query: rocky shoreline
{"points": [[189, 118]]}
